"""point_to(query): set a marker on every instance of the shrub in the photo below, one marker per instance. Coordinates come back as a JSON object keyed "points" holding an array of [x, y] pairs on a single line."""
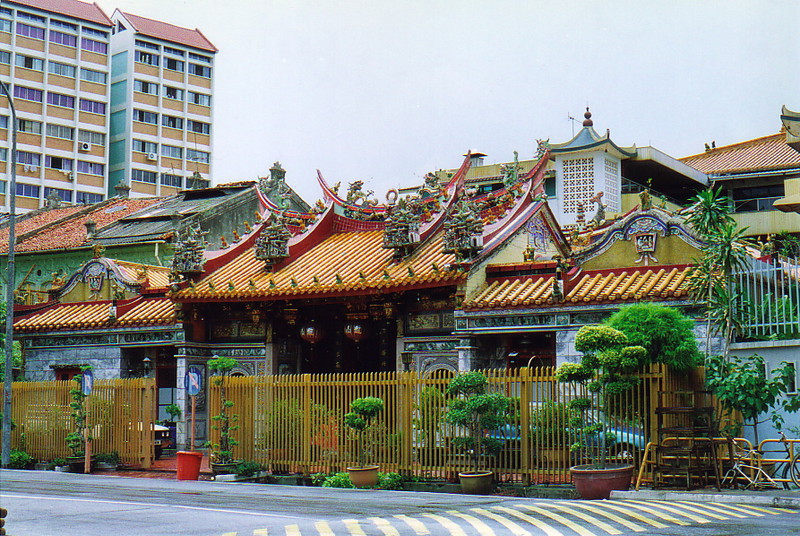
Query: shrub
{"points": [[360, 419], [391, 481], [338, 480], [248, 468], [108, 457], [20, 459]]}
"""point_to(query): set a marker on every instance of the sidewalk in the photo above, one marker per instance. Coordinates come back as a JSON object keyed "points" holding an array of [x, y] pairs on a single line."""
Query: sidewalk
{"points": [[779, 498], [164, 468]]}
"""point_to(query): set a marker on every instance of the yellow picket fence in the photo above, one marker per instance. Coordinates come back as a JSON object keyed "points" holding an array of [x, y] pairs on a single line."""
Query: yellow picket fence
{"points": [[294, 422], [120, 418]]}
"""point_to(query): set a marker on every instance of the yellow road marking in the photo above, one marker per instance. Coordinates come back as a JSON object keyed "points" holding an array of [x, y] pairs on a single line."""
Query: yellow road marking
{"points": [[384, 526], [771, 511], [260, 532], [454, 529], [613, 517], [292, 530], [650, 505], [482, 528], [323, 528], [507, 523], [567, 522], [415, 524], [700, 508], [230, 534], [638, 517], [546, 527], [353, 526], [691, 507], [739, 508]]}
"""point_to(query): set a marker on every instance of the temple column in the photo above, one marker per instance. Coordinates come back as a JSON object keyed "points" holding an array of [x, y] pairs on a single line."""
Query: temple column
{"points": [[467, 354]]}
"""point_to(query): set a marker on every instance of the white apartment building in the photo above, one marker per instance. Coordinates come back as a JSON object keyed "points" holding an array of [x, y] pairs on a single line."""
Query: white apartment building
{"points": [[102, 102], [161, 106], [54, 54]]}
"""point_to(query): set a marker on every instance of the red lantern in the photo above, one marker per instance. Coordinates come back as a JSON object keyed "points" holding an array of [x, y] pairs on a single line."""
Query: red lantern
{"points": [[355, 331], [311, 333]]}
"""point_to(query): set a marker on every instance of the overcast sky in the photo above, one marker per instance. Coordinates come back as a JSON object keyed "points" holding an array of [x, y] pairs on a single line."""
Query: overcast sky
{"points": [[385, 91]]}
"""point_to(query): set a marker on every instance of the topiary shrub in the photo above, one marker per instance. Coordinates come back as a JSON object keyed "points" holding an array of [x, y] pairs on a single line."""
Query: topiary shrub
{"points": [[360, 420]]}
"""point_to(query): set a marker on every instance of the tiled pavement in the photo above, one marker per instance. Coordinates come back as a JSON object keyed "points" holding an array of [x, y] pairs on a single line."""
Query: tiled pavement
{"points": [[163, 468]]}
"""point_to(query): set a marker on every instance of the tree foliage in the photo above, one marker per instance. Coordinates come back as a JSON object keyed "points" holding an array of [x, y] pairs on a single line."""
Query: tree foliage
{"points": [[360, 419], [665, 333]]}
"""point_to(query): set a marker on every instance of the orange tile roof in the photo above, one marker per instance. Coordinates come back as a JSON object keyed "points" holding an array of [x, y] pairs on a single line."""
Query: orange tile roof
{"points": [[350, 263], [94, 315], [71, 8], [33, 221], [769, 152], [170, 32], [72, 232], [646, 283], [157, 276]]}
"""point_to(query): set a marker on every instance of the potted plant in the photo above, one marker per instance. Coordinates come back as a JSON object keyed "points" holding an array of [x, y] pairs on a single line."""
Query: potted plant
{"points": [[76, 440], [174, 411], [607, 367], [476, 412], [360, 421], [222, 461], [107, 461], [60, 465]]}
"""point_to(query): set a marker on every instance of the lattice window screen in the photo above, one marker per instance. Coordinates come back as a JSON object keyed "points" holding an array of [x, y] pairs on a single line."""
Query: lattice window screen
{"points": [[611, 193], [578, 182]]}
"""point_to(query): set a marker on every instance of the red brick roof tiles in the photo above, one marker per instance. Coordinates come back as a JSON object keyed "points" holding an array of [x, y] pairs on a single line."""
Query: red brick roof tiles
{"points": [[760, 154], [169, 32], [72, 8], [72, 232], [38, 221]]}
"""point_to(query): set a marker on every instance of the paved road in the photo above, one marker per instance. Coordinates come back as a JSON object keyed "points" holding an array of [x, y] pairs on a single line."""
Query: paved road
{"points": [[57, 504]]}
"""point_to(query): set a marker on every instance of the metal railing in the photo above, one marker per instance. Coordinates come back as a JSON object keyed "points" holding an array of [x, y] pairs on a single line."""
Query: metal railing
{"points": [[769, 294]]}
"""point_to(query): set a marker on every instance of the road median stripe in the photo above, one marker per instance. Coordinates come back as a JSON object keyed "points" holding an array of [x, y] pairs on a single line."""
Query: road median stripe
{"points": [[354, 527], [701, 507], [292, 530], [324, 529], [653, 506]]}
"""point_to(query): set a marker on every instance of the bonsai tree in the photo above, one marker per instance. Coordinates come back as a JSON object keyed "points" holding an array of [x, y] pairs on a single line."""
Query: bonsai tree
{"points": [[478, 412], [360, 420], [76, 440], [607, 367], [174, 412], [742, 384], [224, 422]]}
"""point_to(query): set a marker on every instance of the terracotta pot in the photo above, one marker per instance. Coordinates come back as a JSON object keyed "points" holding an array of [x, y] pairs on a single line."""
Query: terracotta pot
{"points": [[363, 477], [595, 481], [478, 483]]}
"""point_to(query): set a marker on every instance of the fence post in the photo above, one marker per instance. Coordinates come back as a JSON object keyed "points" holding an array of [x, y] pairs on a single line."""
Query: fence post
{"points": [[307, 392], [147, 411], [525, 424]]}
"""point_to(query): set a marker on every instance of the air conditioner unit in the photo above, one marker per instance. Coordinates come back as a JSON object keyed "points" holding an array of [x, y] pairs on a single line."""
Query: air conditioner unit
{"points": [[152, 157], [70, 176], [85, 146], [30, 168]]}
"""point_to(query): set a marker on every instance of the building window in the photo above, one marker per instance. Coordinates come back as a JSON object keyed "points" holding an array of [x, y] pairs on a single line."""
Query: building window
{"points": [[31, 16], [93, 106], [147, 44], [61, 69], [96, 138], [143, 116], [172, 122], [140, 175], [757, 198], [173, 65], [194, 155], [198, 126], [61, 38], [88, 198], [5, 25], [64, 25], [173, 51], [27, 93], [57, 162], [4, 121], [64, 195], [611, 192], [146, 57], [145, 87], [34, 32], [91, 45], [90, 168], [27, 190], [198, 57], [95, 33], [34, 64], [3, 154], [60, 131], [28, 159], [173, 93], [90, 75], [171, 151], [200, 70], [141, 146], [57, 99], [5, 57], [199, 98], [29, 127], [168, 179]]}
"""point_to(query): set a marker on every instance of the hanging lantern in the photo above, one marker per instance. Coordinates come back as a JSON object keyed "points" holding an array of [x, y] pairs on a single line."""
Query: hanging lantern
{"points": [[355, 331], [311, 333]]}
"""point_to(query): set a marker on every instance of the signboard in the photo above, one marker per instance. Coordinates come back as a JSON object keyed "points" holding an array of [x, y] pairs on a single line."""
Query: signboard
{"points": [[87, 382], [193, 381]]}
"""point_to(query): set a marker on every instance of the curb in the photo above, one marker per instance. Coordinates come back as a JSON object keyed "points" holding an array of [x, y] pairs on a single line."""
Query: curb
{"points": [[776, 501]]}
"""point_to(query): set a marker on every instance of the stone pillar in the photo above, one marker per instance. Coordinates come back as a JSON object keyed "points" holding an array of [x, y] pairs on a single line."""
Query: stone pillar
{"points": [[467, 355], [182, 400]]}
